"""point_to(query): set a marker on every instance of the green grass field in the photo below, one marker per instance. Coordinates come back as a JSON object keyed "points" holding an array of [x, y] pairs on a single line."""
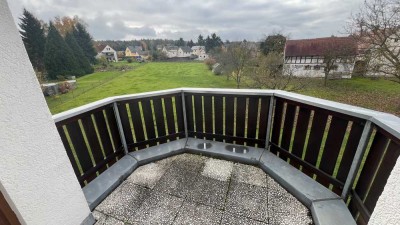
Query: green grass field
{"points": [[380, 95]]}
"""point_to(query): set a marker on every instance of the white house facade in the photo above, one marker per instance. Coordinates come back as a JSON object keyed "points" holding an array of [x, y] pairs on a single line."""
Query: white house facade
{"points": [[177, 52], [200, 52], [305, 58], [109, 53]]}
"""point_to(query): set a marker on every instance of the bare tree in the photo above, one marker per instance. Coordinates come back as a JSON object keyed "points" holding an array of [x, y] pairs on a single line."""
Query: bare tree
{"points": [[376, 28], [338, 54], [236, 58], [269, 72]]}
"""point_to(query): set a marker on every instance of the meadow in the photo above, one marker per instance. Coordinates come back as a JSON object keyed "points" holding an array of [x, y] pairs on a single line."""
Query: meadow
{"points": [[124, 78]]}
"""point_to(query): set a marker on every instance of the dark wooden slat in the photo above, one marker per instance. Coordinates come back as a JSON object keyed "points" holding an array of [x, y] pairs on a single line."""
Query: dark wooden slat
{"points": [[371, 164], [169, 113], [136, 118], [7, 215], [148, 120], [288, 128], [79, 144], [262, 127], [229, 117], [242, 139], [219, 116], [123, 114], [112, 123], [252, 120], [386, 167], [276, 128], [208, 116], [333, 143], [189, 113], [69, 153], [350, 151], [179, 115], [315, 139], [198, 111], [300, 134], [94, 143], [357, 205], [240, 118], [159, 116], [155, 140], [103, 133], [308, 166]]}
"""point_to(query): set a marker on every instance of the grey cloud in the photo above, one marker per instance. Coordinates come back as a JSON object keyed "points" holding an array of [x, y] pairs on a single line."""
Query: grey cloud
{"points": [[233, 19]]}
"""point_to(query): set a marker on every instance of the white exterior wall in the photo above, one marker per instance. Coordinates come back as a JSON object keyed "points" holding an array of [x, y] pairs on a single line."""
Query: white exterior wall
{"points": [[181, 53], [36, 176], [200, 52], [387, 210], [298, 67]]}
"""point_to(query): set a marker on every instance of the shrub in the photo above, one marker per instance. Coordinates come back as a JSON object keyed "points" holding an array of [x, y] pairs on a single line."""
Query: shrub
{"points": [[210, 62], [64, 87], [129, 60]]}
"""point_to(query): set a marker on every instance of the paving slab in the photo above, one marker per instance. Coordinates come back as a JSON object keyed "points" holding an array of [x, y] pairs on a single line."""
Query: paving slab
{"points": [[198, 214], [124, 201], [281, 201], [148, 175], [249, 174], [190, 162], [286, 218], [209, 191], [217, 169], [177, 182], [103, 219], [248, 201], [159, 208], [232, 219]]}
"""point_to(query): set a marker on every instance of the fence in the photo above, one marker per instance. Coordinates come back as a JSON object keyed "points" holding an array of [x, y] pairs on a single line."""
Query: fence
{"points": [[345, 148]]}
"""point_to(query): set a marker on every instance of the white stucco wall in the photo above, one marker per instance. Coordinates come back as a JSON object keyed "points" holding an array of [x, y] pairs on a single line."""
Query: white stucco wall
{"points": [[387, 210], [36, 176]]}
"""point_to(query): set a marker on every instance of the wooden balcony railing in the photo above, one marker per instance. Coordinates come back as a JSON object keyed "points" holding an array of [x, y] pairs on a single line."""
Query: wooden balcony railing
{"points": [[348, 149]]}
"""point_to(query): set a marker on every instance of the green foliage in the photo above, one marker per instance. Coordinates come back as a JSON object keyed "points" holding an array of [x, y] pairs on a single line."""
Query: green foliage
{"points": [[273, 43], [129, 60], [58, 57], [85, 41], [83, 62], [190, 43], [180, 42], [32, 33], [213, 42], [201, 41]]}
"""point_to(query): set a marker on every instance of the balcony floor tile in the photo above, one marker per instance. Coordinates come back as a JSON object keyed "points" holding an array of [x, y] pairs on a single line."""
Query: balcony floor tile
{"points": [[183, 190]]}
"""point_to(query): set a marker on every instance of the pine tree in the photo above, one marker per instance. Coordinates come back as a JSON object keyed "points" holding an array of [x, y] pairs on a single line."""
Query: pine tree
{"points": [[58, 57], [83, 62], [85, 41], [34, 39]]}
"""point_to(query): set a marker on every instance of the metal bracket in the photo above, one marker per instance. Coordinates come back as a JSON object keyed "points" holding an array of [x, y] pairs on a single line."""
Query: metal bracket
{"points": [[362, 146], [120, 129]]}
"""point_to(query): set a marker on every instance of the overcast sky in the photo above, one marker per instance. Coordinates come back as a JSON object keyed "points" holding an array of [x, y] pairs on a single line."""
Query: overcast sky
{"points": [[230, 19]]}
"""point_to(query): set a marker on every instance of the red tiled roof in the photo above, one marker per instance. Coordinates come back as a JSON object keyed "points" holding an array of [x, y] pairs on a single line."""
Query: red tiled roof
{"points": [[99, 48], [318, 46]]}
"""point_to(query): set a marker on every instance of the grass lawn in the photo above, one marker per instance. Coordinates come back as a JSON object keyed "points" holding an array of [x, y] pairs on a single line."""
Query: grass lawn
{"points": [[380, 95], [143, 77]]}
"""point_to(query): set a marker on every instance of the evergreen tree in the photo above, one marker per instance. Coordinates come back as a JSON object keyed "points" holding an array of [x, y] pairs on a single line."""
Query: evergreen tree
{"points": [[273, 43], [190, 43], [200, 41], [58, 57], [34, 39], [85, 41], [180, 42], [83, 62]]}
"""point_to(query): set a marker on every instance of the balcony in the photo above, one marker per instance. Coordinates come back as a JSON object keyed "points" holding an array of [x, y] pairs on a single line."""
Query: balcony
{"points": [[334, 159]]}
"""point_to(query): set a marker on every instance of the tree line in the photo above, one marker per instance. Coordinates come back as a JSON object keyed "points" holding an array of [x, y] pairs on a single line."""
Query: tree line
{"points": [[63, 47]]}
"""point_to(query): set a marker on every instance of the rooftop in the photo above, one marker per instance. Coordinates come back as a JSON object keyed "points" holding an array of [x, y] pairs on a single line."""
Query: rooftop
{"points": [[193, 189]]}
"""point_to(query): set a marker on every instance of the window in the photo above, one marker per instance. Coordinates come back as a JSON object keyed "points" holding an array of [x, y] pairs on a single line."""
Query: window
{"points": [[317, 67], [308, 67]]}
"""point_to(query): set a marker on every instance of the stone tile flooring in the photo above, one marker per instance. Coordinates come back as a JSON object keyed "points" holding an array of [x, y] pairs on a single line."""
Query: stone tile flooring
{"points": [[192, 189]]}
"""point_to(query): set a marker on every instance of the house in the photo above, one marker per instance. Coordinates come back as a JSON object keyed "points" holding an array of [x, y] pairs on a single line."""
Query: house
{"points": [[200, 52], [106, 51], [305, 58], [177, 52], [171, 51], [133, 51]]}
